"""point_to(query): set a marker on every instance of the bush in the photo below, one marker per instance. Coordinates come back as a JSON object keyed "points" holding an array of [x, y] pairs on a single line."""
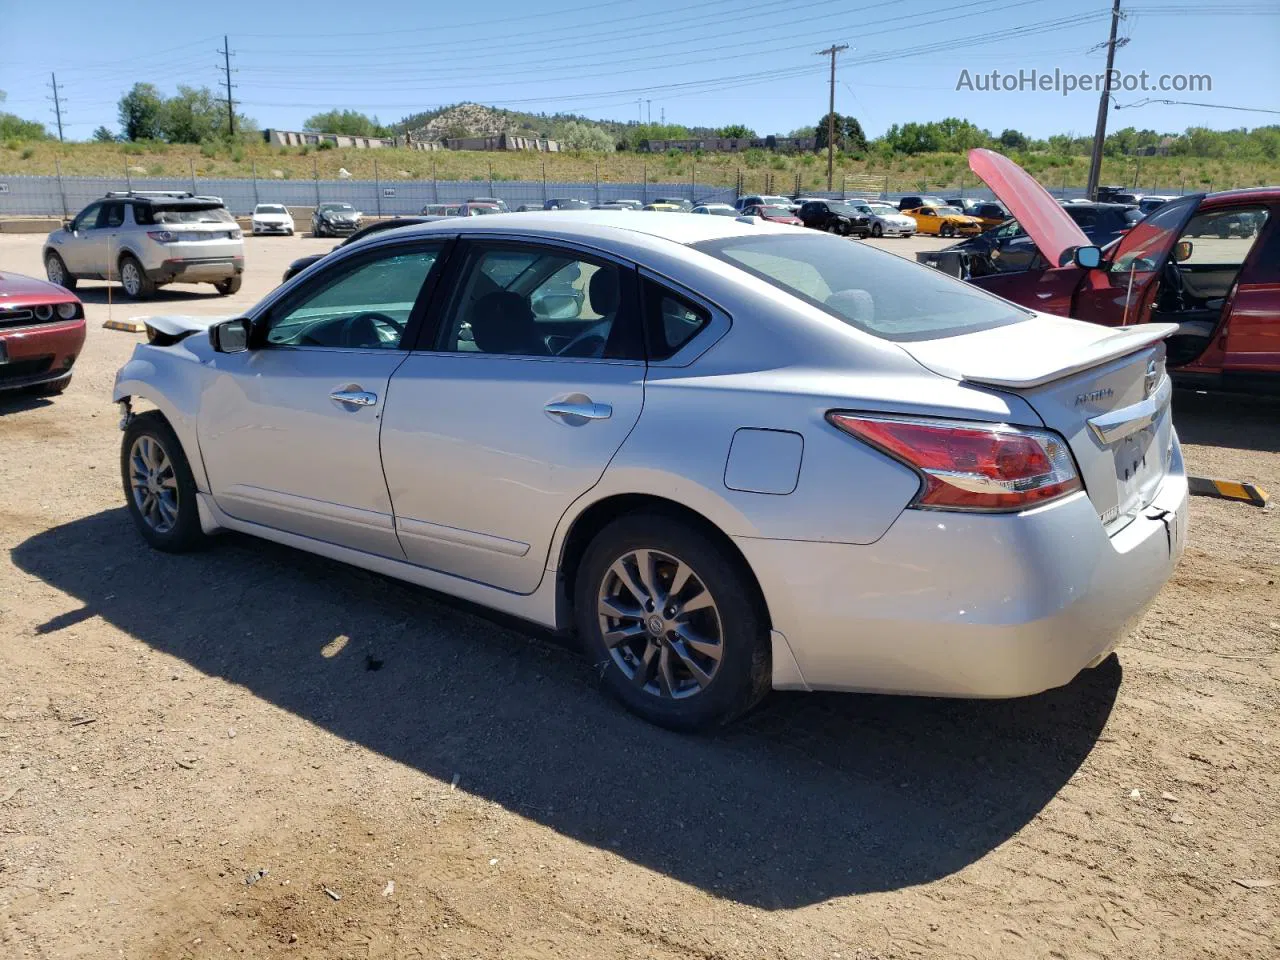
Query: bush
{"points": [[324, 145], [209, 149], [28, 153]]}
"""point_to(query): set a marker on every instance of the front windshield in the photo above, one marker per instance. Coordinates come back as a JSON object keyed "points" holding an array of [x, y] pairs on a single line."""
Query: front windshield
{"points": [[337, 207], [723, 211], [773, 211], [268, 208], [883, 210], [876, 292], [950, 212], [482, 211], [843, 209], [188, 215], [775, 201]]}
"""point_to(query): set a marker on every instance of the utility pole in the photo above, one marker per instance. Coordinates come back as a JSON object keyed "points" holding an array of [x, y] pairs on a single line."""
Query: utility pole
{"points": [[226, 68], [1100, 131], [831, 52], [648, 105], [57, 103]]}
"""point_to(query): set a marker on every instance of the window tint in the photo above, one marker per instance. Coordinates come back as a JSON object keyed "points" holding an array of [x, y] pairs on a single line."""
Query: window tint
{"points": [[87, 218], [1147, 243], [877, 292], [672, 320], [1224, 237], [538, 302], [112, 215], [362, 306]]}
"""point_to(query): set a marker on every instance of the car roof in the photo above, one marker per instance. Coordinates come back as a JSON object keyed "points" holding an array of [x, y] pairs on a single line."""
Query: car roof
{"points": [[594, 226]]}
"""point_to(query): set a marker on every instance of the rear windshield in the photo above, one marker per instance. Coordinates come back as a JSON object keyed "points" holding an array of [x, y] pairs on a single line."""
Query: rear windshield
{"points": [[184, 214], [877, 292]]}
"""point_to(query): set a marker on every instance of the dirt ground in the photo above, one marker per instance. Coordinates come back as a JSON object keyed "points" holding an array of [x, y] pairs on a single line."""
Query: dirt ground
{"points": [[258, 752]]}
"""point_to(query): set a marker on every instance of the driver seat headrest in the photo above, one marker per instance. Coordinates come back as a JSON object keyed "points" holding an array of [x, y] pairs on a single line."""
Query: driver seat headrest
{"points": [[604, 291], [503, 322]]}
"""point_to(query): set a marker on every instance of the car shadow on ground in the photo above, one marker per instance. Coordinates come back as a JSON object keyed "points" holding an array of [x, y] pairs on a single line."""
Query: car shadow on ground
{"points": [[167, 294], [1240, 421], [811, 797], [20, 401]]}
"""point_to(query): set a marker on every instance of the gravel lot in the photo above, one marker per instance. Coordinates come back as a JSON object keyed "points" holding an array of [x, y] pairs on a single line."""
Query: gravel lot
{"points": [[196, 750]]}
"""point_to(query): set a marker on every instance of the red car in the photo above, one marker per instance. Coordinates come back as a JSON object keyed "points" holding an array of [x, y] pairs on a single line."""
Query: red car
{"points": [[41, 333], [772, 214], [1209, 264]]}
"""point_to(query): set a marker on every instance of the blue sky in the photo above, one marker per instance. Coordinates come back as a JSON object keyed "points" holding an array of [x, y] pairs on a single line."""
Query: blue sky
{"points": [[707, 62]]}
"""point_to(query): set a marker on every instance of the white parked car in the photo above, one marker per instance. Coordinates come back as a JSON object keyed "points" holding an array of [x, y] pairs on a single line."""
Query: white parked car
{"points": [[272, 218], [886, 221], [716, 210], [732, 455]]}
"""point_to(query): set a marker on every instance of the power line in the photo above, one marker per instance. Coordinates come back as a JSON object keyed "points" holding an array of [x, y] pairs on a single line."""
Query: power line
{"points": [[1189, 103], [57, 102]]}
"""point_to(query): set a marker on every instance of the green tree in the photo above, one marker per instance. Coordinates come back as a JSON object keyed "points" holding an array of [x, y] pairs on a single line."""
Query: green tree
{"points": [[349, 122], [192, 116], [848, 131], [103, 135], [736, 131], [141, 111], [586, 136], [1013, 140], [13, 127]]}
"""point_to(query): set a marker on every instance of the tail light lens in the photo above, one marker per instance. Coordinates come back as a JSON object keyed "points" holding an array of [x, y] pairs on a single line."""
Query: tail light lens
{"points": [[968, 466]]}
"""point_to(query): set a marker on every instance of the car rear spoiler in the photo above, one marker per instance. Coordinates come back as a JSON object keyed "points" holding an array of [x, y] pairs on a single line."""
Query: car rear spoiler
{"points": [[1046, 369]]}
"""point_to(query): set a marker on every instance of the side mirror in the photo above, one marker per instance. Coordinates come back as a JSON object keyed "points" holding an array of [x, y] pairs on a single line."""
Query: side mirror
{"points": [[230, 336], [66, 225], [1085, 257], [1182, 251]]}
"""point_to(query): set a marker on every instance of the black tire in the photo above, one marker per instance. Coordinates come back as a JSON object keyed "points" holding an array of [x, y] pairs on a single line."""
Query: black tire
{"points": [[53, 262], [743, 675], [877, 231], [229, 286], [947, 230], [143, 286], [185, 534]]}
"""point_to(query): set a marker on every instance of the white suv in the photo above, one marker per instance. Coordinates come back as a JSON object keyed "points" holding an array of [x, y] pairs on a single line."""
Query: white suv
{"points": [[148, 239]]}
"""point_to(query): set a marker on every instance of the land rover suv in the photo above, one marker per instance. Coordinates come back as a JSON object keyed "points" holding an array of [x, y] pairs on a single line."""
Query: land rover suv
{"points": [[146, 239]]}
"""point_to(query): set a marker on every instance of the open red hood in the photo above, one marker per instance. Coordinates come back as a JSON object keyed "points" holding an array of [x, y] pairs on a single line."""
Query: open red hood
{"points": [[1034, 207]]}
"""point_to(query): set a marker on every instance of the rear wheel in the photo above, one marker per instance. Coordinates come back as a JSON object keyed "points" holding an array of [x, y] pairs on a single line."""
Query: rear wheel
{"points": [[159, 486], [228, 286], [947, 230], [137, 285], [57, 272], [673, 622], [877, 230]]}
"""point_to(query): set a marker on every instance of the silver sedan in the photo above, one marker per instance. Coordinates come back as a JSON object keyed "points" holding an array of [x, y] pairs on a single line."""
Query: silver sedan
{"points": [[731, 456]]}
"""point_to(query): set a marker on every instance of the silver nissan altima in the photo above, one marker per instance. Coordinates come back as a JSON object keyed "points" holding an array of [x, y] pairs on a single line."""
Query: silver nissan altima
{"points": [[731, 456]]}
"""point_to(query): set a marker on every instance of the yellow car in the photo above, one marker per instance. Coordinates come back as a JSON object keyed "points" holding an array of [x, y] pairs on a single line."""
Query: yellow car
{"points": [[663, 207], [943, 222]]}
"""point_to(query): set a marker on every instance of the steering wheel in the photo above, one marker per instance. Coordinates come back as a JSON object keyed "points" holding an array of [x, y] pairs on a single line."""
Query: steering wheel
{"points": [[346, 329], [589, 343], [1173, 293]]}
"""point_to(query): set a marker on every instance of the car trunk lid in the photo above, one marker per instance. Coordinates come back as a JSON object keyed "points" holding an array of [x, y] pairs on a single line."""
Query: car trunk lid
{"points": [[1105, 391], [1053, 231]]}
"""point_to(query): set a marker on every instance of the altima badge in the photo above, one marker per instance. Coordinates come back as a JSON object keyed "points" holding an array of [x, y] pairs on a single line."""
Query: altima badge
{"points": [[1093, 396]]}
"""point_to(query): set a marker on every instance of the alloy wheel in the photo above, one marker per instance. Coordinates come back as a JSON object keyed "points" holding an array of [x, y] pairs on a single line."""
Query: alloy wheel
{"points": [[130, 278], [53, 270], [877, 230], [154, 484], [660, 624]]}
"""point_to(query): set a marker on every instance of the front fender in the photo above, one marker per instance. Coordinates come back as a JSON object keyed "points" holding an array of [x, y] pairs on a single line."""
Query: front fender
{"points": [[171, 380]]}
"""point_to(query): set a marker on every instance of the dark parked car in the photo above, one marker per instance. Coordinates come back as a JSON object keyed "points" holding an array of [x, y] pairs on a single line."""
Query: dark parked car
{"points": [[834, 217], [1008, 249], [376, 227], [915, 203], [333, 219]]}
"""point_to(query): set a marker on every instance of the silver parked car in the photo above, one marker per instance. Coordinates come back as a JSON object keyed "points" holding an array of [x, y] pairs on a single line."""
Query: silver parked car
{"points": [[733, 456], [146, 239], [885, 219]]}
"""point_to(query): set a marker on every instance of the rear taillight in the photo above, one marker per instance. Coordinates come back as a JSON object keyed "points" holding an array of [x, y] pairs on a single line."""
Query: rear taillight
{"points": [[968, 466]]}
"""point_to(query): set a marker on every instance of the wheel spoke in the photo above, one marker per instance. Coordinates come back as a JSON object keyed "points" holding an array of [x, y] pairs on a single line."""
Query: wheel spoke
{"points": [[618, 609], [691, 665], [644, 670], [679, 580], [629, 580], [666, 681], [708, 648], [648, 574], [620, 635], [701, 601]]}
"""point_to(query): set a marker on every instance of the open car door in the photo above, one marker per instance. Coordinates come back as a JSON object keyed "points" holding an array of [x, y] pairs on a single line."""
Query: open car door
{"points": [[1121, 290]]}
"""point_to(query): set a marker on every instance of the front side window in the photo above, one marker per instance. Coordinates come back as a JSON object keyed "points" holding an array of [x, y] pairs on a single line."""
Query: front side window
{"points": [[1146, 245], [362, 306], [538, 302], [87, 218], [876, 292]]}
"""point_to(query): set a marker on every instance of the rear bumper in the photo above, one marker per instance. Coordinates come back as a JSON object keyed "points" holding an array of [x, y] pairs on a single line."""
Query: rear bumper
{"points": [[40, 354], [970, 605], [197, 270]]}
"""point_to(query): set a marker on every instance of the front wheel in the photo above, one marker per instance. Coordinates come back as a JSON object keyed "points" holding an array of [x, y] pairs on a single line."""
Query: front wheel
{"points": [[673, 622], [228, 286], [947, 230], [158, 485], [877, 231]]}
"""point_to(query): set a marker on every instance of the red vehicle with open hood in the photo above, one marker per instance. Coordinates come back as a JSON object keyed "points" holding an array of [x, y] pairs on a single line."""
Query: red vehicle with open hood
{"points": [[41, 333], [1210, 264]]}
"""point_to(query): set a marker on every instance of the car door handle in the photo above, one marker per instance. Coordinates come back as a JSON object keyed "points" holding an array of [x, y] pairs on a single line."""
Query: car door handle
{"points": [[355, 398], [586, 410]]}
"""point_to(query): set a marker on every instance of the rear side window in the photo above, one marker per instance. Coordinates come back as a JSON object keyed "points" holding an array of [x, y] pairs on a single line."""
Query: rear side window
{"points": [[876, 292], [671, 320]]}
